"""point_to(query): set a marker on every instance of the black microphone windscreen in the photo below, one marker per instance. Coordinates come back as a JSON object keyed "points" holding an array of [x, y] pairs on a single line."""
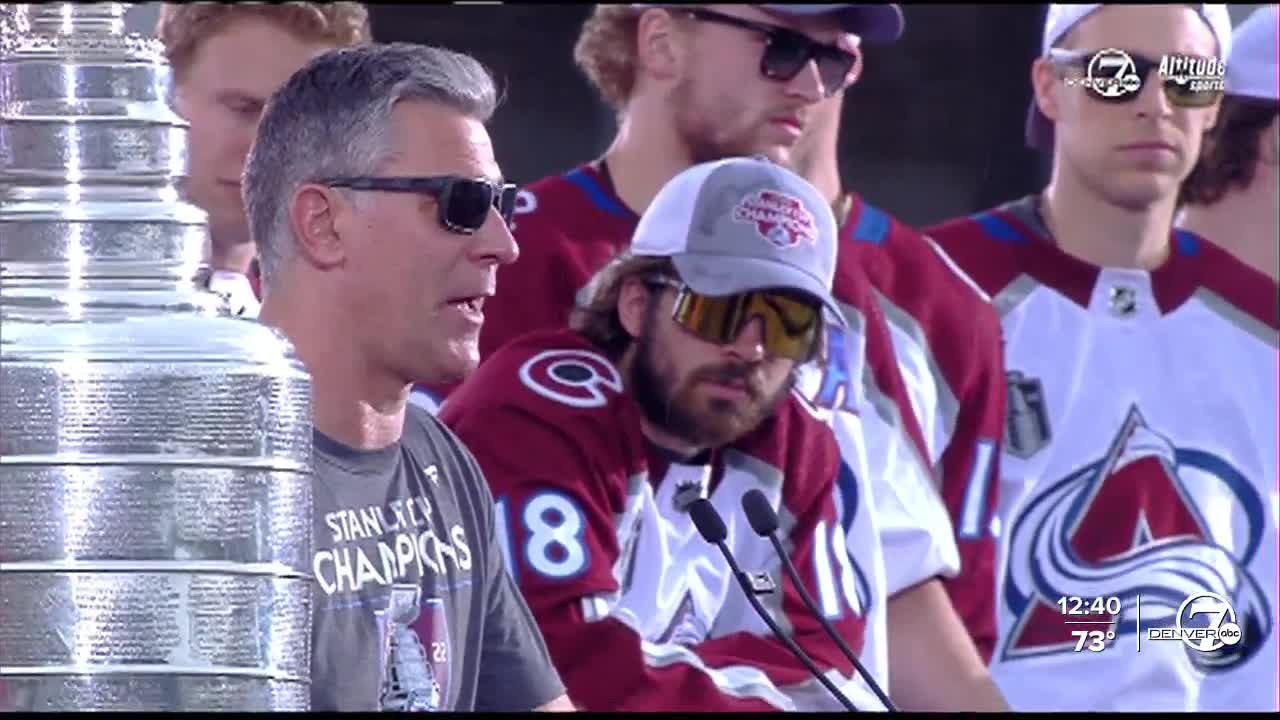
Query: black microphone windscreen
{"points": [[759, 513], [709, 523]]}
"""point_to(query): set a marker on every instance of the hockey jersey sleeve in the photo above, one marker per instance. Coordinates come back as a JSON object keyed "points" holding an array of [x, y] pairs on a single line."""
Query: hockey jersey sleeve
{"points": [[914, 526], [558, 505], [970, 471]]}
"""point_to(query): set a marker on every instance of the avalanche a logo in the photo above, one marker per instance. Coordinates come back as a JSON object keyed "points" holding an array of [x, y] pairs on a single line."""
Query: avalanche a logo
{"points": [[779, 218], [1149, 519]]}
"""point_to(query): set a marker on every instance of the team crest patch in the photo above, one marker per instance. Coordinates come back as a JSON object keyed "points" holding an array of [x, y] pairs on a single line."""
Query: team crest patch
{"points": [[687, 491], [415, 646], [1027, 422], [780, 218], [578, 378]]}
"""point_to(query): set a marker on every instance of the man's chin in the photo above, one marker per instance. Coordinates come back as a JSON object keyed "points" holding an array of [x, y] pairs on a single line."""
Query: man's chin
{"points": [[779, 154], [227, 225], [456, 364], [1140, 193], [723, 425]]}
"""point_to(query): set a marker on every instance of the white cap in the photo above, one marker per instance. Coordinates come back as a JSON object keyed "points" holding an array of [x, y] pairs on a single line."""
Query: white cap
{"points": [[1251, 67], [1061, 18], [743, 224]]}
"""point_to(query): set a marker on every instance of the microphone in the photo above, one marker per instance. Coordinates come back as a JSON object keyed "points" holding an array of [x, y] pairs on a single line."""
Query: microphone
{"points": [[711, 527], [764, 521]]}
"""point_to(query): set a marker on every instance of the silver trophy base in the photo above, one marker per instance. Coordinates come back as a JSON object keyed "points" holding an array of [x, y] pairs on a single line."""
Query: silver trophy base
{"points": [[164, 692], [122, 635]]}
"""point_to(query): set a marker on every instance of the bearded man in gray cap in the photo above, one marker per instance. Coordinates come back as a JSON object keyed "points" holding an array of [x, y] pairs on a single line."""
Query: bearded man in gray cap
{"points": [[673, 385]]}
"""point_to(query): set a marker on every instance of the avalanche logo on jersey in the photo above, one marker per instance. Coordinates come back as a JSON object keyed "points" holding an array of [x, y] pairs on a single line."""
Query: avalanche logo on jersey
{"points": [[571, 377], [1149, 519]]}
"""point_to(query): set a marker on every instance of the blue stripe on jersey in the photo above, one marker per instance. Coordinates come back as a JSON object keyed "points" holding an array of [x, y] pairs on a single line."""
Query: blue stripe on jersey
{"points": [[998, 229], [596, 193], [848, 484], [1186, 243], [873, 225]]}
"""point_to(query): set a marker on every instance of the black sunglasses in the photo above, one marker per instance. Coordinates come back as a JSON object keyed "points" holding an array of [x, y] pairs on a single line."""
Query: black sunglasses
{"points": [[464, 202], [787, 51], [1119, 76]]}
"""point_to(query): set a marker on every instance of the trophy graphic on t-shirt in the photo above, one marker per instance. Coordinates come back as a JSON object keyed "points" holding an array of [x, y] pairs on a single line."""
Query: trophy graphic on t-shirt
{"points": [[408, 682]]}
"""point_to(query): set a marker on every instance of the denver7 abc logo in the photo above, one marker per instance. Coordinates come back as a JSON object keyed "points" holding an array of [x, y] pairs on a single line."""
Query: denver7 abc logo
{"points": [[1217, 628]]}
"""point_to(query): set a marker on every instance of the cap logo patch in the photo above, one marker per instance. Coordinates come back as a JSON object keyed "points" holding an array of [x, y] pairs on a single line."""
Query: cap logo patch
{"points": [[780, 218]]}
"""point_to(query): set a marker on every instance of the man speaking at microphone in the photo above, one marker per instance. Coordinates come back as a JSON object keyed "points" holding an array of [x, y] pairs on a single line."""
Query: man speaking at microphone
{"points": [[672, 385]]}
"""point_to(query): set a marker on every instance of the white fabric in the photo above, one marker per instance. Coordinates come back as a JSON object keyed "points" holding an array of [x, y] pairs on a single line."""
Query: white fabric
{"points": [[897, 529], [1252, 68], [1061, 18], [1174, 416], [237, 290]]}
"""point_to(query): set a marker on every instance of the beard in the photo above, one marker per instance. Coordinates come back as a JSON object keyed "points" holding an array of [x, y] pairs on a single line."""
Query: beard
{"points": [[674, 407], [705, 127]]}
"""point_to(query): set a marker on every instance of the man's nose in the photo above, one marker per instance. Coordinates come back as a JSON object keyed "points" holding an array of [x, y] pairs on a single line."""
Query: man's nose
{"points": [[749, 344], [494, 241], [1152, 100], [807, 84]]}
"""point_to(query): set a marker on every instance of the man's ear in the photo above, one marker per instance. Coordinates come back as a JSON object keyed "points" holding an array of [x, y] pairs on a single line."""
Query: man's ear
{"points": [[851, 44], [633, 304], [1044, 83], [660, 48], [313, 213]]}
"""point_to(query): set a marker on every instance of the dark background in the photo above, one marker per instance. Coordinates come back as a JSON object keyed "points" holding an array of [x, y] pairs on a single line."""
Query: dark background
{"points": [[932, 130]]}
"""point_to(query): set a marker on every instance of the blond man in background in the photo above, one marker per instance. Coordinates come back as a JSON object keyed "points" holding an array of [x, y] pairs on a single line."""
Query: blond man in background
{"points": [[227, 59]]}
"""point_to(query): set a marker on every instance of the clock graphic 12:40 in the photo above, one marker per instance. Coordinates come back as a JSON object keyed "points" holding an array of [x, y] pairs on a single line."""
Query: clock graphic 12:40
{"points": [[1070, 605]]}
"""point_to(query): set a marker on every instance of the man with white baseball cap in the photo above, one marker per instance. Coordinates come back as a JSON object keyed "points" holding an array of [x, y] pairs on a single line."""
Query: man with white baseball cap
{"points": [[673, 383], [1137, 501], [1059, 22], [1233, 195]]}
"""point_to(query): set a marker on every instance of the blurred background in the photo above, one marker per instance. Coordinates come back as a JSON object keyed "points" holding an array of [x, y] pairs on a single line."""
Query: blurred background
{"points": [[933, 129]]}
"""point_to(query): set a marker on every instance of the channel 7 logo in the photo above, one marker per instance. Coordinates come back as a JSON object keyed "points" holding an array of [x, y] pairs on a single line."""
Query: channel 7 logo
{"points": [[1205, 622]]}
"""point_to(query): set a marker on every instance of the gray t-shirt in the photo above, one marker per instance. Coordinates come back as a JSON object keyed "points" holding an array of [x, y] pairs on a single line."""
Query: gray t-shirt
{"points": [[414, 607]]}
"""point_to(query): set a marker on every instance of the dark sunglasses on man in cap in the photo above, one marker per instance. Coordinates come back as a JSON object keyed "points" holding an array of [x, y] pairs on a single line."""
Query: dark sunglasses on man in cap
{"points": [[1181, 93], [463, 202], [787, 51], [791, 321]]}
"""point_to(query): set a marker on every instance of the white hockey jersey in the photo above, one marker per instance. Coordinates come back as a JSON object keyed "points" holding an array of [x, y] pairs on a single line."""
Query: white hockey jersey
{"points": [[1138, 497]]}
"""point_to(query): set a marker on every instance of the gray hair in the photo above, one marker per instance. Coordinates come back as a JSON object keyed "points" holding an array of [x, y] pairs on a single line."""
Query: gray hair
{"points": [[332, 118]]}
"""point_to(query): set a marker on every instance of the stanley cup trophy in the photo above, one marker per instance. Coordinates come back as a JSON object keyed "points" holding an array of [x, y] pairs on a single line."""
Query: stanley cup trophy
{"points": [[155, 496]]}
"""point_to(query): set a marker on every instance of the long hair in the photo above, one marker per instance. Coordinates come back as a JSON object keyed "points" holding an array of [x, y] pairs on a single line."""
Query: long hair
{"points": [[596, 317], [1230, 155]]}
